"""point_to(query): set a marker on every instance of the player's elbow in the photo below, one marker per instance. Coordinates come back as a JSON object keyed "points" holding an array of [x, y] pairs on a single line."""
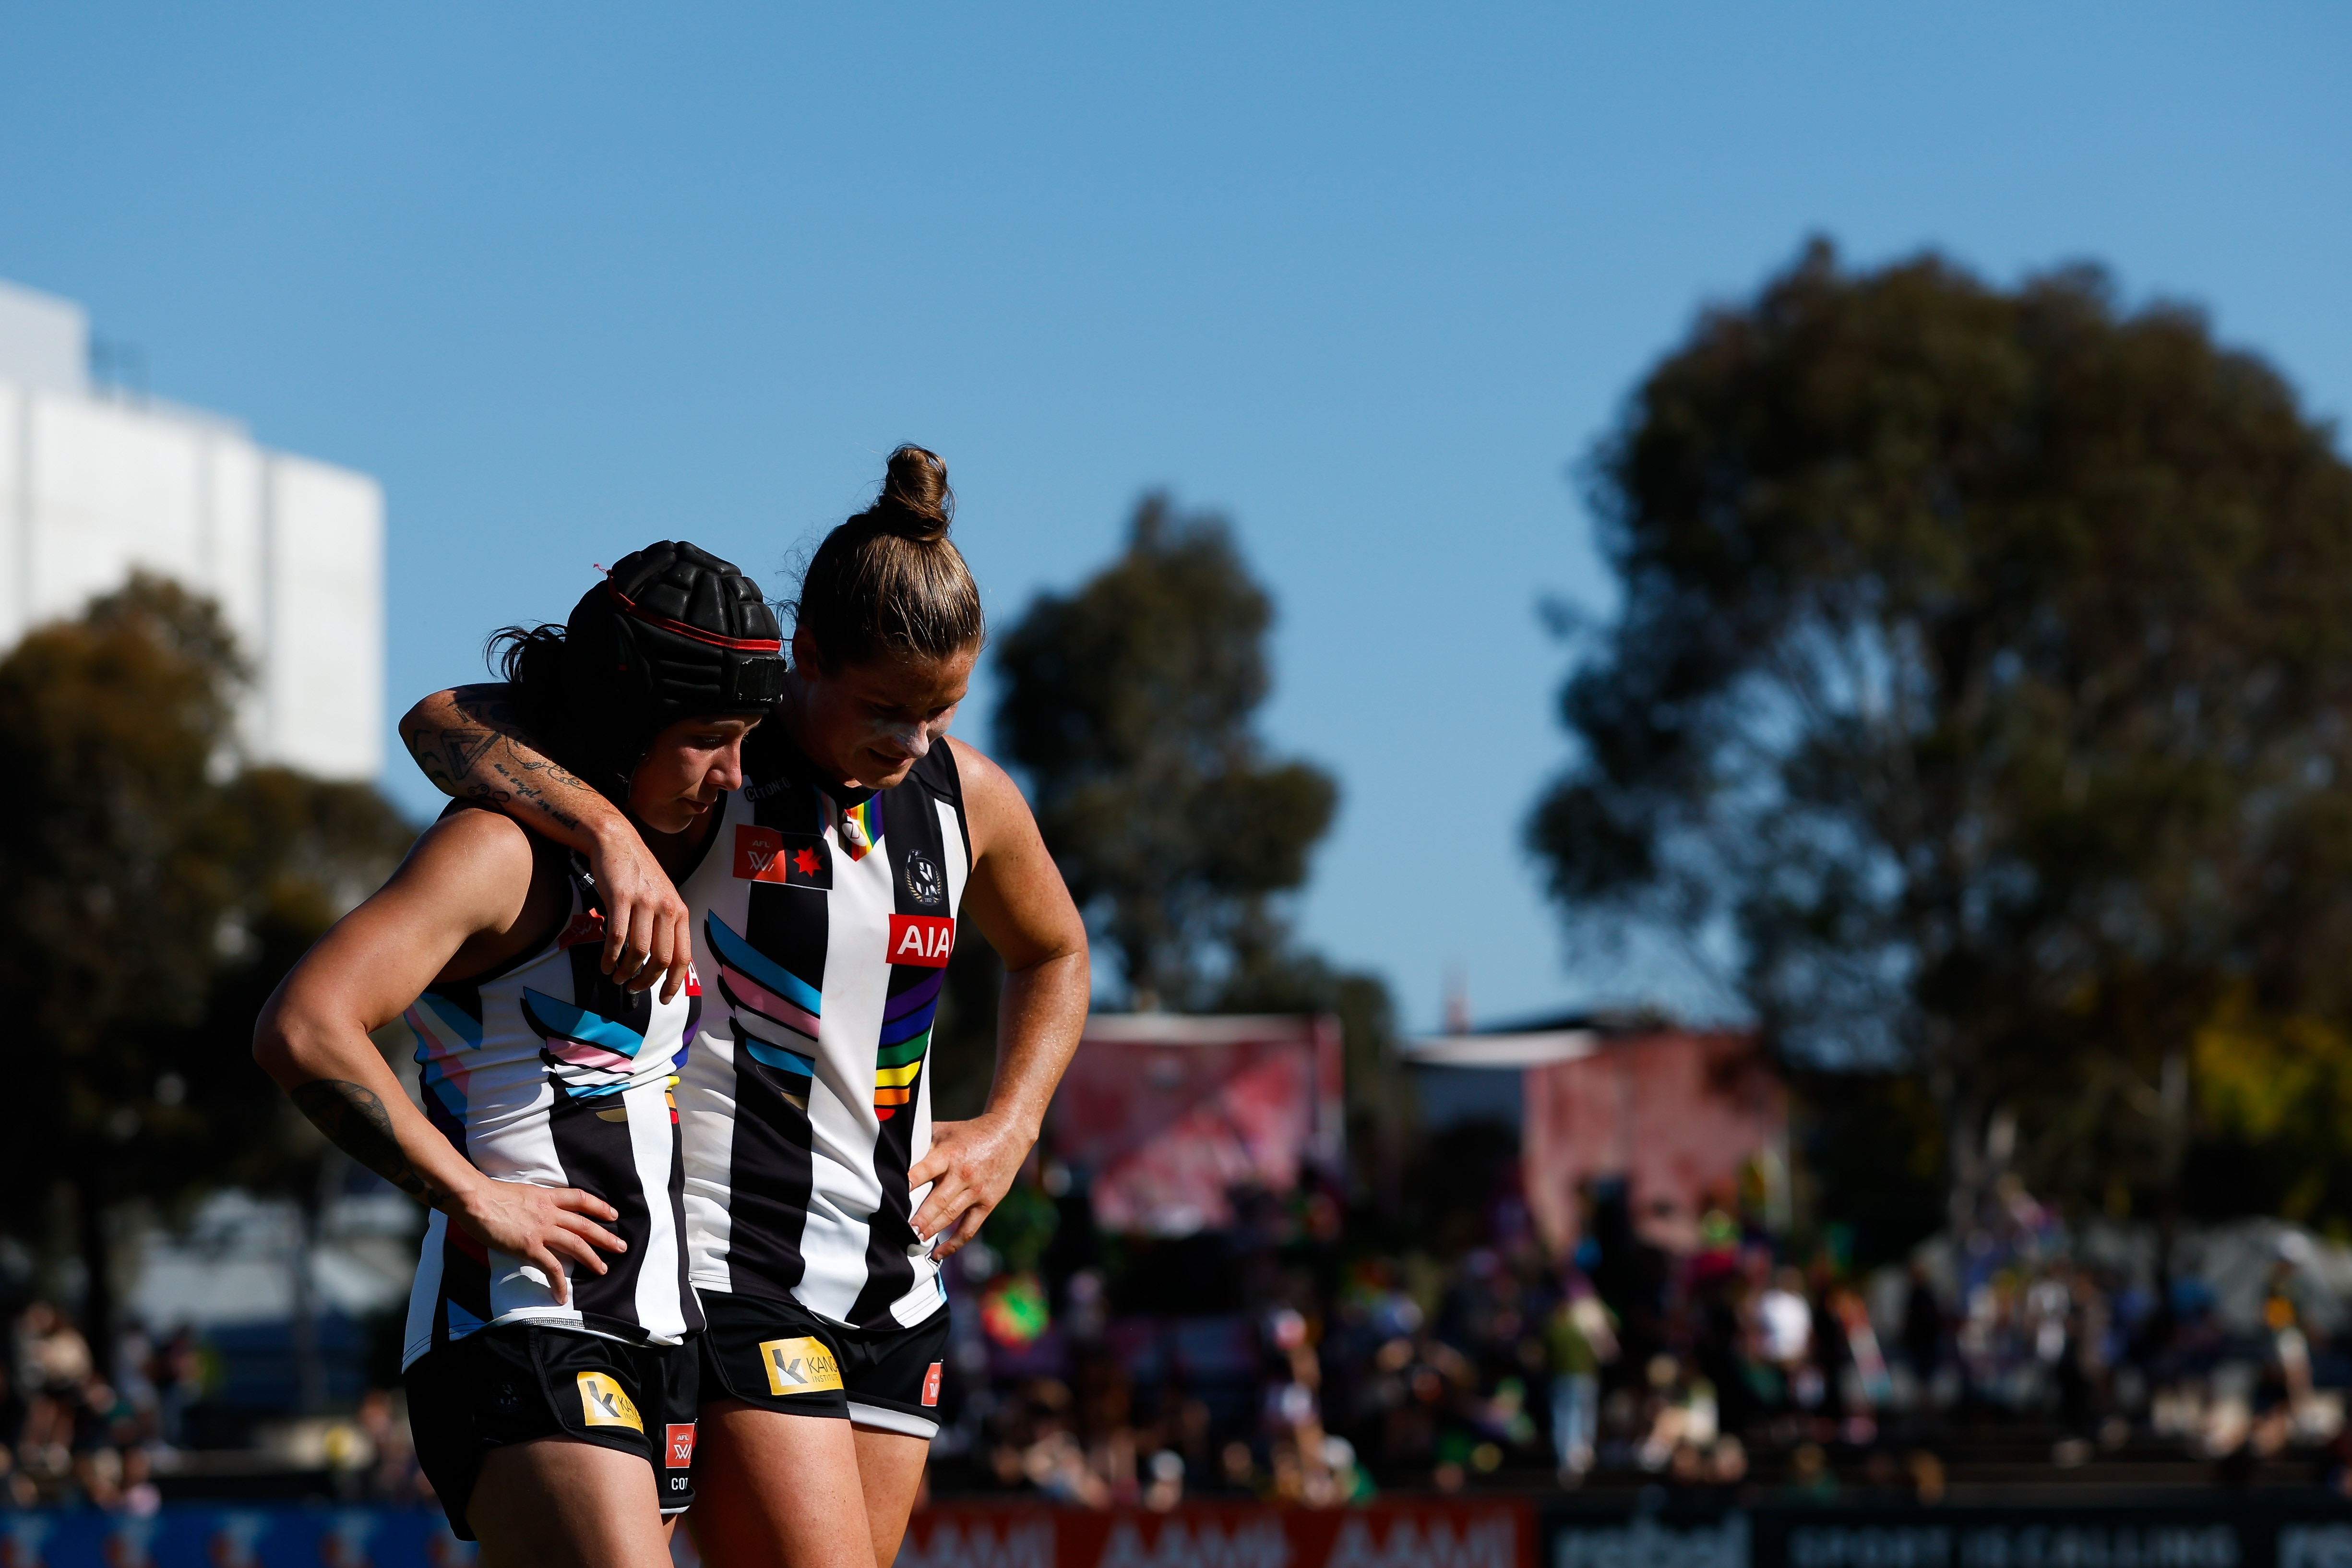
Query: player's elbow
{"points": [[285, 1038]]}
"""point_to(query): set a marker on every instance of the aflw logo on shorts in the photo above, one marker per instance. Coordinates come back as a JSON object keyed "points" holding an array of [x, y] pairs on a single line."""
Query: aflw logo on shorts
{"points": [[680, 1447], [927, 940]]}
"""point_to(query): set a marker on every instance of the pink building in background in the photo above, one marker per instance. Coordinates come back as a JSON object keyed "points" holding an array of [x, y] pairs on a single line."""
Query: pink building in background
{"points": [[1688, 1120], [1169, 1113]]}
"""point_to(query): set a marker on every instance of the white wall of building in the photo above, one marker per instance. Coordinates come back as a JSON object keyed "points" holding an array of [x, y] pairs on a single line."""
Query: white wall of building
{"points": [[92, 487]]}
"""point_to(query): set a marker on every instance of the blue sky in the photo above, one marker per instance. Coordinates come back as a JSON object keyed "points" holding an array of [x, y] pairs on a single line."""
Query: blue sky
{"points": [[1366, 278]]}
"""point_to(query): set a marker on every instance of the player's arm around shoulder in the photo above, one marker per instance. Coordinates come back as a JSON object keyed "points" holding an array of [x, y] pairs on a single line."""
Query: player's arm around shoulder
{"points": [[1015, 892]]}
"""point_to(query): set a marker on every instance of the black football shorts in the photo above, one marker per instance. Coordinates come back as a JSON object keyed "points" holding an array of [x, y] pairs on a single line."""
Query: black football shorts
{"points": [[778, 1355], [512, 1383]]}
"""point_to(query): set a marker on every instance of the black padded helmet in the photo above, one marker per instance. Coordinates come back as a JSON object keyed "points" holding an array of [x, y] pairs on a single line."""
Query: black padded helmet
{"points": [[672, 633]]}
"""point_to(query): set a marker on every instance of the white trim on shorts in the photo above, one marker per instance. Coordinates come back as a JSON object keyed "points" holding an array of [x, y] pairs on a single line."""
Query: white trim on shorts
{"points": [[887, 1420]]}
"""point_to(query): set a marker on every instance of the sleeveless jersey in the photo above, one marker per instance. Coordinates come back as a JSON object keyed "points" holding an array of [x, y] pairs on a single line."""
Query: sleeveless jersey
{"points": [[543, 1070], [823, 919]]}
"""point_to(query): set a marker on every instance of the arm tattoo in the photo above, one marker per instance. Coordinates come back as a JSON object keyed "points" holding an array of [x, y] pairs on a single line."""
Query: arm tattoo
{"points": [[355, 1121], [489, 758]]}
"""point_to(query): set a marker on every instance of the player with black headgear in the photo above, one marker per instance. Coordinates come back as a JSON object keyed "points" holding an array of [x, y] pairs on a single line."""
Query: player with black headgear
{"points": [[549, 1359]]}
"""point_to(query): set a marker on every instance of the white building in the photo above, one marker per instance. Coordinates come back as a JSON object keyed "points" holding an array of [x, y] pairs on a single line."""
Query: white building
{"points": [[95, 483]]}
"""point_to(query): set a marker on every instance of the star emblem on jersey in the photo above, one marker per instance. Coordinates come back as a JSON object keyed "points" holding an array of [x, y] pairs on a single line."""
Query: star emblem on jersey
{"points": [[923, 878], [795, 859]]}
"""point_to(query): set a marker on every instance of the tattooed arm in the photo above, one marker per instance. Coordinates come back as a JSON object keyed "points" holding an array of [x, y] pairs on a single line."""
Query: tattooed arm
{"points": [[473, 745], [466, 898]]}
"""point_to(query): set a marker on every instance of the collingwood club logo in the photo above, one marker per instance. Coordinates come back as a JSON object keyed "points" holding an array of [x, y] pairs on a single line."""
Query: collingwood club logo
{"points": [[923, 878]]}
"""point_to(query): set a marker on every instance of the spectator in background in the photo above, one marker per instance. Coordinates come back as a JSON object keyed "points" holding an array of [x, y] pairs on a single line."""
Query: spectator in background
{"points": [[1581, 1340], [1922, 1329]]}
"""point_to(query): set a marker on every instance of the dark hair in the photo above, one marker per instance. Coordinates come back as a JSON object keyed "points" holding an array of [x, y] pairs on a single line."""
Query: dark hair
{"points": [[888, 581], [531, 661]]}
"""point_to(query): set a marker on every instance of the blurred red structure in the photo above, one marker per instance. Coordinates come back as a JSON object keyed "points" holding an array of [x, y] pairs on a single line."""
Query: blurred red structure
{"points": [[1169, 1113], [1486, 1533], [1688, 1119]]}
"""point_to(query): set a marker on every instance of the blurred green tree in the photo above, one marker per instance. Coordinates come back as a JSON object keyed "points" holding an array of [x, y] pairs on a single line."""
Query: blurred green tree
{"points": [[1979, 688], [153, 891], [1129, 706]]}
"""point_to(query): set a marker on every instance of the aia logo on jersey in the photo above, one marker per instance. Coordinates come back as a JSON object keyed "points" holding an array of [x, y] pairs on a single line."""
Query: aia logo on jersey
{"points": [[923, 878], [586, 926], [693, 981], [795, 859], [927, 940], [931, 1385], [680, 1448]]}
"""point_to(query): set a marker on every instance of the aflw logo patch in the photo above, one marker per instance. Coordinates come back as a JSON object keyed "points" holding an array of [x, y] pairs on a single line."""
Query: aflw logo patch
{"points": [[927, 940], [679, 1450], [603, 1403], [799, 1366], [588, 925], [797, 859]]}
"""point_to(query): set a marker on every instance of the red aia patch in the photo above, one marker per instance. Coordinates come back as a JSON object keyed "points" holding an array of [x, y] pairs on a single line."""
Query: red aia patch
{"points": [[927, 940], [586, 926], [797, 859], [931, 1385], [693, 981], [681, 1446]]}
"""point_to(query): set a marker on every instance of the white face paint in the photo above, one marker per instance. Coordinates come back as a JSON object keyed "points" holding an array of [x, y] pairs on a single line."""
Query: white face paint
{"points": [[912, 742]]}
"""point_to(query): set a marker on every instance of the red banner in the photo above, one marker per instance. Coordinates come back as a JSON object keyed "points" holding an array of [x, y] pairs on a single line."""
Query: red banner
{"points": [[1417, 1535], [1169, 1113]]}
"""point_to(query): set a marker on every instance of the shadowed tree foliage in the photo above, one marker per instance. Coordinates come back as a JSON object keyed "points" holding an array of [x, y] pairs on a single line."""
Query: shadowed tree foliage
{"points": [[151, 894], [1982, 675], [1128, 705]]}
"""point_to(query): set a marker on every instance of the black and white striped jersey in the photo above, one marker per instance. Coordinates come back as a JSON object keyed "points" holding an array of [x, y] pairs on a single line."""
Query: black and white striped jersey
{"points": [[544, 1071], [823, 919]]}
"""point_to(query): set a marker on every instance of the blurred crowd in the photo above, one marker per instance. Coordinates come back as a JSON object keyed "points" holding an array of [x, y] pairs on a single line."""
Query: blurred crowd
{"points": [[1295, 1359], [74, 1432], [1740, 1365]]}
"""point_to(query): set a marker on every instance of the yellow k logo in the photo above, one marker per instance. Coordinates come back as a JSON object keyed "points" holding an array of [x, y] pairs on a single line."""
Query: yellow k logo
{"points": [[799, 1366], [603, 1403]]}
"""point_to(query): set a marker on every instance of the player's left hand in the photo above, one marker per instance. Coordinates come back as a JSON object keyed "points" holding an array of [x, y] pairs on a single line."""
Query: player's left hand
{"points": [[970, 1167]]}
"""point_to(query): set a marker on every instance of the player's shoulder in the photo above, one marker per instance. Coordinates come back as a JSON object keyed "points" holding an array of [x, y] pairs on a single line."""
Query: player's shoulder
{"points": [[473, 840], [982, 785]]}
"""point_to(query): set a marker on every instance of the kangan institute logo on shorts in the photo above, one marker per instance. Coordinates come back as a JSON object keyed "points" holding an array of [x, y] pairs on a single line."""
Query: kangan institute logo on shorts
{"points": [[603, 1403], [799, 1366]]}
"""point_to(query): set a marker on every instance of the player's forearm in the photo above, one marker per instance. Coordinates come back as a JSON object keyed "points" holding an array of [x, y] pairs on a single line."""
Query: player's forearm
{"points": [[335, 1077], [472, 745], [1039, 1019]]}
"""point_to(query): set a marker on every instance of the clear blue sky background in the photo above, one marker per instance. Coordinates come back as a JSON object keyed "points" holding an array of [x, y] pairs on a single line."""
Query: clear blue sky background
{"points": [[1366, 277]]}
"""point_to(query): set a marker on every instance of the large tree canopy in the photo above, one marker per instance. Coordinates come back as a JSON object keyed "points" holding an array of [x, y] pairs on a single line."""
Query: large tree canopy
{"points": [[153, 891], [1982, 673], [1129, 704]]}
